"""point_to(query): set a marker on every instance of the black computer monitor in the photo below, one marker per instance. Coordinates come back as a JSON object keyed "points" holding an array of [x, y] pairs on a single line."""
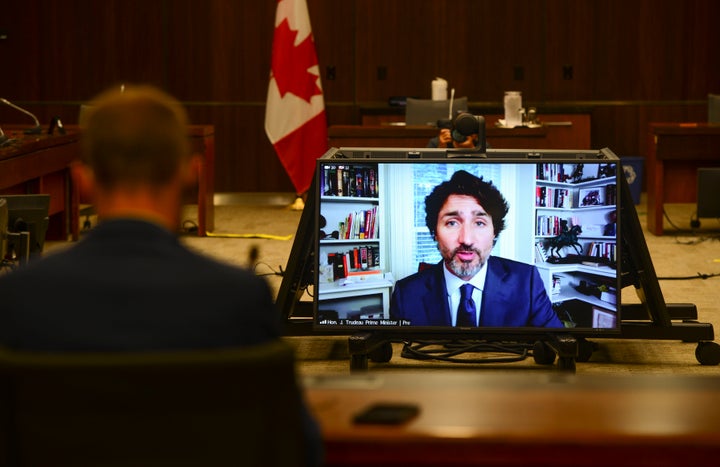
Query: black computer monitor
{"points": [[708, 203], [28, 218], [427, 112]]}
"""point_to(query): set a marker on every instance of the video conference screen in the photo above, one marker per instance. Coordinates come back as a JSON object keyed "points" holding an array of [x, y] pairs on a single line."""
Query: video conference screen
{"points": [[450, 244]]}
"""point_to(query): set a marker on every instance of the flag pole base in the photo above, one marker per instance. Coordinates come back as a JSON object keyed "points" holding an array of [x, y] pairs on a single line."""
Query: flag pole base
{"points": [[297, 205]]}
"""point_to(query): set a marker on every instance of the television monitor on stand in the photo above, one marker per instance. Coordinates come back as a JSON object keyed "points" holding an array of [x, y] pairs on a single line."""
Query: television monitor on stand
{"points": [[28, 218], [351, 277], [560, 235]]}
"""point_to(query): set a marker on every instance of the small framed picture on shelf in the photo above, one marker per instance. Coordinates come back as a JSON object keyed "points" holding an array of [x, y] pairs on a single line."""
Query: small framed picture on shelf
{"points": [[594, 196], [603, 318], [606, 170]]}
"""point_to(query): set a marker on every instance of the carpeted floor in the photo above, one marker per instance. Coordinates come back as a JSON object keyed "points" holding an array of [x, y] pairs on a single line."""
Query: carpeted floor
{"points": [[678, 254]]}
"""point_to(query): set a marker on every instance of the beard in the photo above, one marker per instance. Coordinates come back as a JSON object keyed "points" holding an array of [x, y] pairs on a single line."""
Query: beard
{"points": [[463, 269]]}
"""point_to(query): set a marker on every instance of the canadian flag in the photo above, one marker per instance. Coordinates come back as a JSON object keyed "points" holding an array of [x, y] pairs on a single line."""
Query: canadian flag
{"points": [[295, 119]]}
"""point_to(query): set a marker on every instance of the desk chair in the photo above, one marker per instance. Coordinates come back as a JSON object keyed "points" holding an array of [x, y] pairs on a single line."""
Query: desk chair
{"points": [[428, 112], [713, 108], [222, 407]]}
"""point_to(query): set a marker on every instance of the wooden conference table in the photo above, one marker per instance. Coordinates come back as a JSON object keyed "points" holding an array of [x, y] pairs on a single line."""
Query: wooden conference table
{"points": [[470, 417], [41, 164], [559, 131], [675, 152]]}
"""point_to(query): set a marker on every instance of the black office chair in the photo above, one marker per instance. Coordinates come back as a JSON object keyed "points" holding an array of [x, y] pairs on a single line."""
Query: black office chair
{"points": [[228, 407], [428, 112], [713, 108]]}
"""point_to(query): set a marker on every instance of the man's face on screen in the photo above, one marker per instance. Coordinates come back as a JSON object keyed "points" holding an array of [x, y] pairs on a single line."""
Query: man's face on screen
{"points": [[464, 235]]}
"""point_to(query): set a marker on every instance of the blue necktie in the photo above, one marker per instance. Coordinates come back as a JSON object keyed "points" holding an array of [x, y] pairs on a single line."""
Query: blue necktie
{"points": [[466, 309]]}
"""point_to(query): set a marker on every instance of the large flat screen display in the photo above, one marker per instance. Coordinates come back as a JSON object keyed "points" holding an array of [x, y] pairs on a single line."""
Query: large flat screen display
{"points": [[420, 240]]}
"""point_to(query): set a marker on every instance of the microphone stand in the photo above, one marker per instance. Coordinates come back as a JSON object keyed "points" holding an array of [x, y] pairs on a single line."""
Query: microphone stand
{"points": [[4, 141], [30, 131]]}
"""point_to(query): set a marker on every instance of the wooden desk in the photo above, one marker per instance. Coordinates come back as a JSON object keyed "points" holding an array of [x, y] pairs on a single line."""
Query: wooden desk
{"points": [[675, 152], [571, 131], [41, 164], [470, 417], [202, 140]]}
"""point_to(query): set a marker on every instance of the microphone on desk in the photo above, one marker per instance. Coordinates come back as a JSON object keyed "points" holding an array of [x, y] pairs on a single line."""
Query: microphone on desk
{"points": [[30, 131], [5, 140]]}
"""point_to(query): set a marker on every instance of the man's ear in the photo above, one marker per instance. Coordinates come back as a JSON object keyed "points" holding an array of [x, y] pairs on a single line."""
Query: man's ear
{"points": [[83, 178]]}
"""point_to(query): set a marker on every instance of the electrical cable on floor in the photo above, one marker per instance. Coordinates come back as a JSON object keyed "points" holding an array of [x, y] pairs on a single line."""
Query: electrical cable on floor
{"points": [[272, 272], [190, 226], [448, 351], [694, 224], [667, 217], [250, 235], [684, 278]]}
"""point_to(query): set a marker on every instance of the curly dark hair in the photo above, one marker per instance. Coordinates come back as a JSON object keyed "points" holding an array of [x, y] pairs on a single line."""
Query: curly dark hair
{"points": [[465, 183]]}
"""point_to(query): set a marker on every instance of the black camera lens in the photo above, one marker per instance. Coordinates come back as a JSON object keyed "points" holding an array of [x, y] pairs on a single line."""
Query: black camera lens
{"points": [[444, 124], [458, 137], [466, 124]]}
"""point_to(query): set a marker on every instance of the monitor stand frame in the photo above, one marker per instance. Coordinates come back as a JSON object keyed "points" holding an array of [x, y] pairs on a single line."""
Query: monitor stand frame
{"points": [[651, 319]]}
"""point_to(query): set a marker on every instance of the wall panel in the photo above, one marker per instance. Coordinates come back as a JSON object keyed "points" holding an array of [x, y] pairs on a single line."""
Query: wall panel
{"points": [[89, 45], [633, 61]]}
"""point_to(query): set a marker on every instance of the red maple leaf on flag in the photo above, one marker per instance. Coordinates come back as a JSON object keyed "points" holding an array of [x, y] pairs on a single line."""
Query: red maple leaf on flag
{"points": [[290, 63]]}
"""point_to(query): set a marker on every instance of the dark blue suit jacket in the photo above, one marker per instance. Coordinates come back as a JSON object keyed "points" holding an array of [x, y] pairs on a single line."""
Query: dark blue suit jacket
{"points": [[514, 296], [130, 285]]}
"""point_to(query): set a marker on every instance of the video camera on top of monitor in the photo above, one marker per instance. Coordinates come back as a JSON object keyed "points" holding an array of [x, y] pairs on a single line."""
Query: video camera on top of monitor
{"points": [[464, 125]]}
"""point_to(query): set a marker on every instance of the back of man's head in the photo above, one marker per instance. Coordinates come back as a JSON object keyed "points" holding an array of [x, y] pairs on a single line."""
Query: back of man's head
{"points": [[135, 136]]}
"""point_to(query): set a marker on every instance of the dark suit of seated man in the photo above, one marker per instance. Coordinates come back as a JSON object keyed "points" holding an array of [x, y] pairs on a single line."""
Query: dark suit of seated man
{"points": [[469, 287], [129, 284]]}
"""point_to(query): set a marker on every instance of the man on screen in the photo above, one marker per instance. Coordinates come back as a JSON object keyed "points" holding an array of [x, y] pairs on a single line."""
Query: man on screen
{"points": [[469, 287]]}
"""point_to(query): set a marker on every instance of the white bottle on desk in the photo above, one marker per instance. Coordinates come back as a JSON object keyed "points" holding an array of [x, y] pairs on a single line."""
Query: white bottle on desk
{"points": [[513, 103]]}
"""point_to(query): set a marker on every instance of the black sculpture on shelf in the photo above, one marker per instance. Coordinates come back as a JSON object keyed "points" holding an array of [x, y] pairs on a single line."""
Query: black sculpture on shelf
{"points": [[577, 174], [566, 237]]}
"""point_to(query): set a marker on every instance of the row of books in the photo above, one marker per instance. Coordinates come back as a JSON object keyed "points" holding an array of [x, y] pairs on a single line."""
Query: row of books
{"points": [[541, 253], [359, 225], [610, 194], [553, 172], [600, 249], [550, 226], [557, 283], [554, 197], [359, 261], [350, 181], [573, 173], [551, 197]]}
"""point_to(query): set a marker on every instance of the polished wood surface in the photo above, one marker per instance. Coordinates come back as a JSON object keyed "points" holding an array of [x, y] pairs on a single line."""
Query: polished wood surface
{"points": [[215, 56], [520, 419], [559, 132], [41, 164], [675, 152], [202, 140]]}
